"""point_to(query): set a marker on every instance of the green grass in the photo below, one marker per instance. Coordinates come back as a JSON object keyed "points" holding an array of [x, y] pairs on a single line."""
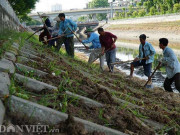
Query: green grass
{"points": [[8, 37]]}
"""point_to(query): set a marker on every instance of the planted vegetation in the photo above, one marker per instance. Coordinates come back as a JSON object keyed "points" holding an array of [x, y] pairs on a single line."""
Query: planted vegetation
{"points": [[127, 106]]}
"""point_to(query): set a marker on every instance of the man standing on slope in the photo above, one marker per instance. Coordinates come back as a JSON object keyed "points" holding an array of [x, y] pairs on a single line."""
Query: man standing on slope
{"points": [[172, 65], [107, 41], [146, 52], [94, 39], [66, 25]]}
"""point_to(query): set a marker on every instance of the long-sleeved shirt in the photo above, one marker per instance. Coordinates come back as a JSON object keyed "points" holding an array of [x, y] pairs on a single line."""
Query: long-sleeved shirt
{"points": [[171, 62], [107, 41], [64, 27], [149, 51], [94, 38], [47, 22]]}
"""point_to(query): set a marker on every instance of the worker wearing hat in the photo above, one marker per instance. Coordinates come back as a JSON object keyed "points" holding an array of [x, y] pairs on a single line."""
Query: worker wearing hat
{"points": [[55, 31], [94, 39], [47, 26]]}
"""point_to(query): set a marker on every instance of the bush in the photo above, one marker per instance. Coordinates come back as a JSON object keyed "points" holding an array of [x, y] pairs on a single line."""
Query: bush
{"points": [[135, 14], [141, 13], [152, 11], [176, 7], [129, 14]]}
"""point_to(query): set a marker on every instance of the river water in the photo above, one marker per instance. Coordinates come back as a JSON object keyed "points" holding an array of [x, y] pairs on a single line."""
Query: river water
{"points": [[126, 53]]}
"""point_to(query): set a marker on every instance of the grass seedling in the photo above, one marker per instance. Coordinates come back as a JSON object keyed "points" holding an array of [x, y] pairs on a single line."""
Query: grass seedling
{"points": [[137, 113], [64, 103], [101, 112]]}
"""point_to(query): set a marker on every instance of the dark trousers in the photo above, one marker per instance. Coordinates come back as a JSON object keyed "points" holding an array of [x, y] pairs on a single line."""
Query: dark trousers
{"points": [[52, 42], [69, 45], [168, 83], [43, 34]]}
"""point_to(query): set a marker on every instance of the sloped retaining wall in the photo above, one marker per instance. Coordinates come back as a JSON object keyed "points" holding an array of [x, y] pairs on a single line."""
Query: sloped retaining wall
{"points": [[8, 18]]}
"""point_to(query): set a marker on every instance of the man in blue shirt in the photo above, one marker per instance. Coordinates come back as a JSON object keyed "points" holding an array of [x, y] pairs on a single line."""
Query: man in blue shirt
{"points": [[172, 65], [68, 40], [94, 39], [146, 52]]}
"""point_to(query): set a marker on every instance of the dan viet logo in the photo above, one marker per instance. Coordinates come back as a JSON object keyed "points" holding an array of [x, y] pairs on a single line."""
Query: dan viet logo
{"points": [[27, 129]]}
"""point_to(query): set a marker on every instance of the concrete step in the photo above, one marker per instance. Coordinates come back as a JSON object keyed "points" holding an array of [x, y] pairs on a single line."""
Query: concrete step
{"points": [[7, 66], [27, 68], [2, 112], [4, 84], [40, 114], [38, 86]]}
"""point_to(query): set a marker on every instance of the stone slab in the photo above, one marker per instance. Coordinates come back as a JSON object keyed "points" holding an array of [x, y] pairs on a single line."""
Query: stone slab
{"points": [[45, 115], [33, 84], [7, 66], [10, 56], [27, 68], [2, 112], [4, 84]]}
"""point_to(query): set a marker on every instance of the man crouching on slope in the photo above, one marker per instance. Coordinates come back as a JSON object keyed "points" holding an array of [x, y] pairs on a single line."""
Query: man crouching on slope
{"points": [[94, 39], [170, 61], [107, 41], [145, 57]]}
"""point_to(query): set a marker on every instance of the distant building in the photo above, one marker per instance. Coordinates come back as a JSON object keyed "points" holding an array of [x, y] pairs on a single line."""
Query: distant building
{"points": [[56, 7]]}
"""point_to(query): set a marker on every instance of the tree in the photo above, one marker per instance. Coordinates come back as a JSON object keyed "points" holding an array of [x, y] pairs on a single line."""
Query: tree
{"points": [[152, 11], [33, 22], [82, 18], [141, 13], [23, 7], [97, 4], [135, 14], [176, 7]]}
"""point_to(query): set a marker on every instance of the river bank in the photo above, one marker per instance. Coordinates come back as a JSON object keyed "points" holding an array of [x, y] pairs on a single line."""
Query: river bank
{"points": [[129, 33]]}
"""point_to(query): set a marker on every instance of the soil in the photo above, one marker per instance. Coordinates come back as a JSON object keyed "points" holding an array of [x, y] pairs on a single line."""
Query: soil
{"points": [[83, 79]]}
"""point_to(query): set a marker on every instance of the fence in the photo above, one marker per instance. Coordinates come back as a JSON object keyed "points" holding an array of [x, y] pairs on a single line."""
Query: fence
{"points": [[8, 18]]}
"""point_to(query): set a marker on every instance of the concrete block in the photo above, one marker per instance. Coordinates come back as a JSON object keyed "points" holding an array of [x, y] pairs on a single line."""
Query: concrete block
{"points": [[31, 56], [7, 66], [24, 59], [14, 51], [38, 86], [4, 84], [27, 68], [38, 113], [87, 101], [2, 112], [16, 46], [33, 84], [29, 51], [10, 56]]}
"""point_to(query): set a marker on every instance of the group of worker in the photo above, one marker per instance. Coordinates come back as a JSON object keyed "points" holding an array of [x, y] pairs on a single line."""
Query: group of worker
{"points": [[104, 43]]}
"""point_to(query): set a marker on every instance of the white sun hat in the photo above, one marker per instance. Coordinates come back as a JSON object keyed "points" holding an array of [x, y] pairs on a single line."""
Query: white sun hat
{"points": [[44, 15], [57, 19]]}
